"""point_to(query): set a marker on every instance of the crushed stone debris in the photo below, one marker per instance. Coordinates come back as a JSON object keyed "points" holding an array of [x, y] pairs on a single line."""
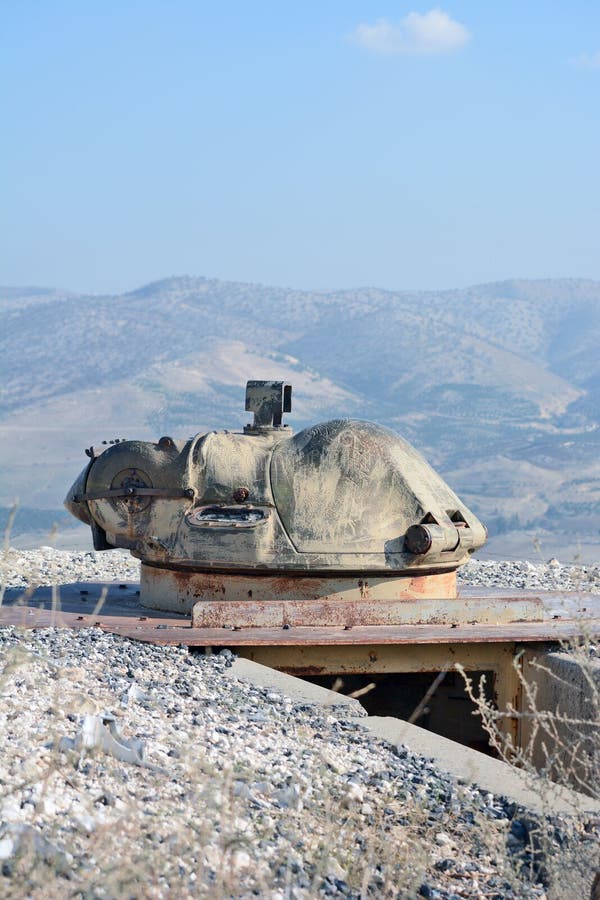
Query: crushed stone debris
{"points": [[24, 568], [549, 576]]}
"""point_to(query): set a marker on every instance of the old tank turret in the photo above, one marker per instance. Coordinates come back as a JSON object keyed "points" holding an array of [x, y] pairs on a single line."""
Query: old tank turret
{"points": [[342, 509]]}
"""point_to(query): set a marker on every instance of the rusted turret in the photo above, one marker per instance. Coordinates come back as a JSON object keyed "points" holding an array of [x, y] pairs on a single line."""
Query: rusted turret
{"points": [[342, 509]]}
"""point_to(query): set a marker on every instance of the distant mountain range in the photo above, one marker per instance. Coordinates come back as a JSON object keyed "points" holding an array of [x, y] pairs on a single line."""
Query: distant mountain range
{"points": [[498, 384]]}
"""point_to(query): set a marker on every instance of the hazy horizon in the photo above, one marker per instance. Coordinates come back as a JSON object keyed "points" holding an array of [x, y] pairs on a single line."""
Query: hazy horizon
{"points": [[67, 289]]}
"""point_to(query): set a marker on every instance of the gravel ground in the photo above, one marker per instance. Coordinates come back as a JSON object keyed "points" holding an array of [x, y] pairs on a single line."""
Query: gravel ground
{"points": [[20, 568], [242, 792], [549, 576]]}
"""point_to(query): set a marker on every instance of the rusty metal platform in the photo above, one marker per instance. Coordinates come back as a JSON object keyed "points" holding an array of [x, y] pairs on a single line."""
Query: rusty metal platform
{"points": [[502, 626], [115, 607]]}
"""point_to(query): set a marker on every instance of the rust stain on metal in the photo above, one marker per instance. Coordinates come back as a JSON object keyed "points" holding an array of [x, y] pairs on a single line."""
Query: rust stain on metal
{"points": [[304, 671], [34, 617], [375, 635], [251, 613], [179, 589], [277, 626]]}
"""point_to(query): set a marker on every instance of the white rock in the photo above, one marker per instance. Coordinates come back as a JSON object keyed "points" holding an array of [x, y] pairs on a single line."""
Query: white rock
{"points": [[334, 764], [135, 693], [85, 822], [11, 810], [7, 848], [213, 856], [354, 793], [288, 797], [443, 840], [49, 807], [240, 859], [335, 870]]}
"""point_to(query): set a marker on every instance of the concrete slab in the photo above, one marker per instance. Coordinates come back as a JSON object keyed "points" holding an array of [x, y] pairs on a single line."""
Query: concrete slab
{"points": [[560, 725], [295, 688], [470, 766], [466, 765]]}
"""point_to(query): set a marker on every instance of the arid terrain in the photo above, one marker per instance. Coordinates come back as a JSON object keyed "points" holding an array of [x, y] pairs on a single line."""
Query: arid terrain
{"points": [[498, 385], [238, 790]]}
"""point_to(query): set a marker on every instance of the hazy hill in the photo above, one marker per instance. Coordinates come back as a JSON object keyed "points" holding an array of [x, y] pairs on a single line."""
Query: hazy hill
{"points": [[498, 384]]}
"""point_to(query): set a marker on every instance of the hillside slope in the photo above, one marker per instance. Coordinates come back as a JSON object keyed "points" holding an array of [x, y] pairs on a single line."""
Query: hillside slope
{"points": [[498, 384]]}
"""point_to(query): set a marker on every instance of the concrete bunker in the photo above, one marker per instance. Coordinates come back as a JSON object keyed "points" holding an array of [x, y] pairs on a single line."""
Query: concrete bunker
{"points": [[328, 554]]}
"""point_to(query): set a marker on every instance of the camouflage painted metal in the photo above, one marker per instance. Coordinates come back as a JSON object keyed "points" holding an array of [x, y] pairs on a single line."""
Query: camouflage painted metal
{"points": [[344, 498]]}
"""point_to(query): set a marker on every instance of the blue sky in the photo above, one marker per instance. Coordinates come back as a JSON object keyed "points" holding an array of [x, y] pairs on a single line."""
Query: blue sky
{"points": [[315, 145]]}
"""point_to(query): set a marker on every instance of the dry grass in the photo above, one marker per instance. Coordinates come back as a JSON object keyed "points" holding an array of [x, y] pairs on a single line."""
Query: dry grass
{"points": [[559, 726]]}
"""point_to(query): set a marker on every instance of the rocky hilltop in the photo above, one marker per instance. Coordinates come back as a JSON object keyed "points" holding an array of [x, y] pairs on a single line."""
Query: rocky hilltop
{"points": [[219, 785]]}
